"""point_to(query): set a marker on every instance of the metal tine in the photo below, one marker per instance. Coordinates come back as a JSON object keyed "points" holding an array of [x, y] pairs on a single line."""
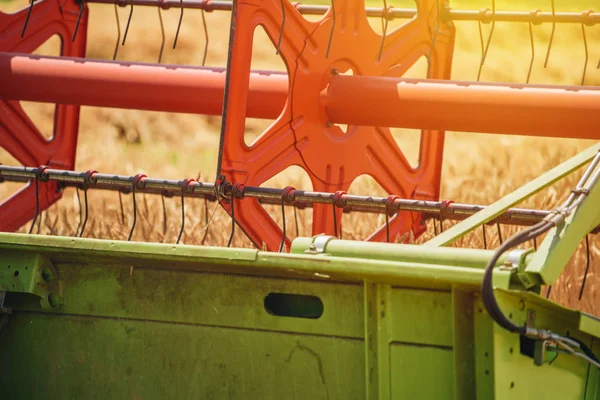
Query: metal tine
{"points": [[441, 223], [296, 222], [85, 201], [384, 22], [533, 13], [206, 36], [583, 32], [284, 230], [206, 220], [587, 265], [136, 180], [332, 29], [37, 197], [281, 36], [164, 208], [335, 229], [80, 212], [435, 34], [128, 23], [184, 187], [86, 182], [162, 31], [27, 18], [122, 209], [548, 292], [551, 35], [81, 7], [178, 25], [118, 39], [487, 47], [39, 224], [484, 236], [387, 227], [499, 231], [232, 220], [535, 244]]}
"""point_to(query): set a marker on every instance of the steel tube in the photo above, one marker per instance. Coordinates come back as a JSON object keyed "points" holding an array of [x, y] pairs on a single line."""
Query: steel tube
{"points": [[172, 187], [530, 110], [140, 86], [487, 15], [535, 110]]}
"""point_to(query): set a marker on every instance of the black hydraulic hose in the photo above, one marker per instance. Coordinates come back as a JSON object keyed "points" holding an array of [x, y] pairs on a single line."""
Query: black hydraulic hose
{"points": [[487, 290]]}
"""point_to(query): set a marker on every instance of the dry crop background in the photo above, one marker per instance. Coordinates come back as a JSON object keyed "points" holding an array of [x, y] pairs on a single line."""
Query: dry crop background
{"points": [[477, 168]]}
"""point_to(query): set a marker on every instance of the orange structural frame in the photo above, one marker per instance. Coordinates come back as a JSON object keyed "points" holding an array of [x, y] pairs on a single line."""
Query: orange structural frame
{"points": [[314, 52], [18, 134]]}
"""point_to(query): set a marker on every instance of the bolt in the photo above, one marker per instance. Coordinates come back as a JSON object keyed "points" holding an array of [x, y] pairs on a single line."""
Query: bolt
{"points": [[47, 275], [328, 124], [334, 71], [53, 300], [521, 305]]}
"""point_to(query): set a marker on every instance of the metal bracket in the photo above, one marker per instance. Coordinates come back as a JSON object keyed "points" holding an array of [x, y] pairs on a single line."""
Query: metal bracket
{"points": [[33, 274], [318, 245]]}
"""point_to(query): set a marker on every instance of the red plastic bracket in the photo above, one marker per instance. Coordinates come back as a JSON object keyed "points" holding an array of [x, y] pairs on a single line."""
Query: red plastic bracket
{"points": [[302, 135], [18, 134]]}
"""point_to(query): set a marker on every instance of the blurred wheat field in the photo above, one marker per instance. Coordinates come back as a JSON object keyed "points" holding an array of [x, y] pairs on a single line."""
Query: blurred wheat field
{"points": [[477, 168]]}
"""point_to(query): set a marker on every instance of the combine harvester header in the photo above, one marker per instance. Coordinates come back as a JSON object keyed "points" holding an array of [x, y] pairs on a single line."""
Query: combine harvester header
{"points": [[316, 317]]}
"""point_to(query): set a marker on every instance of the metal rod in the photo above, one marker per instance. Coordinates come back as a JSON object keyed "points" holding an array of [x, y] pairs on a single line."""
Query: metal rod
{"points": [[529, 110], [534, 110], [379, 12], [372, 204]]}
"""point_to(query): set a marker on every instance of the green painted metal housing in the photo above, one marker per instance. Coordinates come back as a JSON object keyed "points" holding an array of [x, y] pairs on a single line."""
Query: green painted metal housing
{"points": [[156, 321]]}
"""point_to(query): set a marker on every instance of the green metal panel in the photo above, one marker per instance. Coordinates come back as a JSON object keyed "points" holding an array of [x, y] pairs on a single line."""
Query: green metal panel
{"points": [[135, 324], [510, 200]]}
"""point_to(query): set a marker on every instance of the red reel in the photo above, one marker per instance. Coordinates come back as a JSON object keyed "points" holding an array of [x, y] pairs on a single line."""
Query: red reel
{"points": [[313, 53], [18, 134]]}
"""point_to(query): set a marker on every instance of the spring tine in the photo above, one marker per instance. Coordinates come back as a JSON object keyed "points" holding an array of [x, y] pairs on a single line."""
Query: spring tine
{"points": [[487, 47], [435, 228], [387, 228], [37, 201], [532, 50], [332, 29], [435, 34], [80, 212], [183, 188], [535, 244], [162, 31], [27, 18], [136, 180], [281, 35], [128, 22], [206, 221], [441, 223], [335, 230], [178, 25], [586, 53], [81, 7], [551, 35], [484, 236], [384, 22], [85, 219], [587, 265], [86, 182], [296, 222], [118, 33], [122, 209], [206, 36], [134, 214], [548, 292], [232, 221], [39, 224], [164, 208], [284, 227], [499, 231]]}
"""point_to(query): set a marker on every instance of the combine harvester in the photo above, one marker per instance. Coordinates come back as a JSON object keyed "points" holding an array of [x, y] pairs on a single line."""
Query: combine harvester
{"points": [[312, 318]]}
